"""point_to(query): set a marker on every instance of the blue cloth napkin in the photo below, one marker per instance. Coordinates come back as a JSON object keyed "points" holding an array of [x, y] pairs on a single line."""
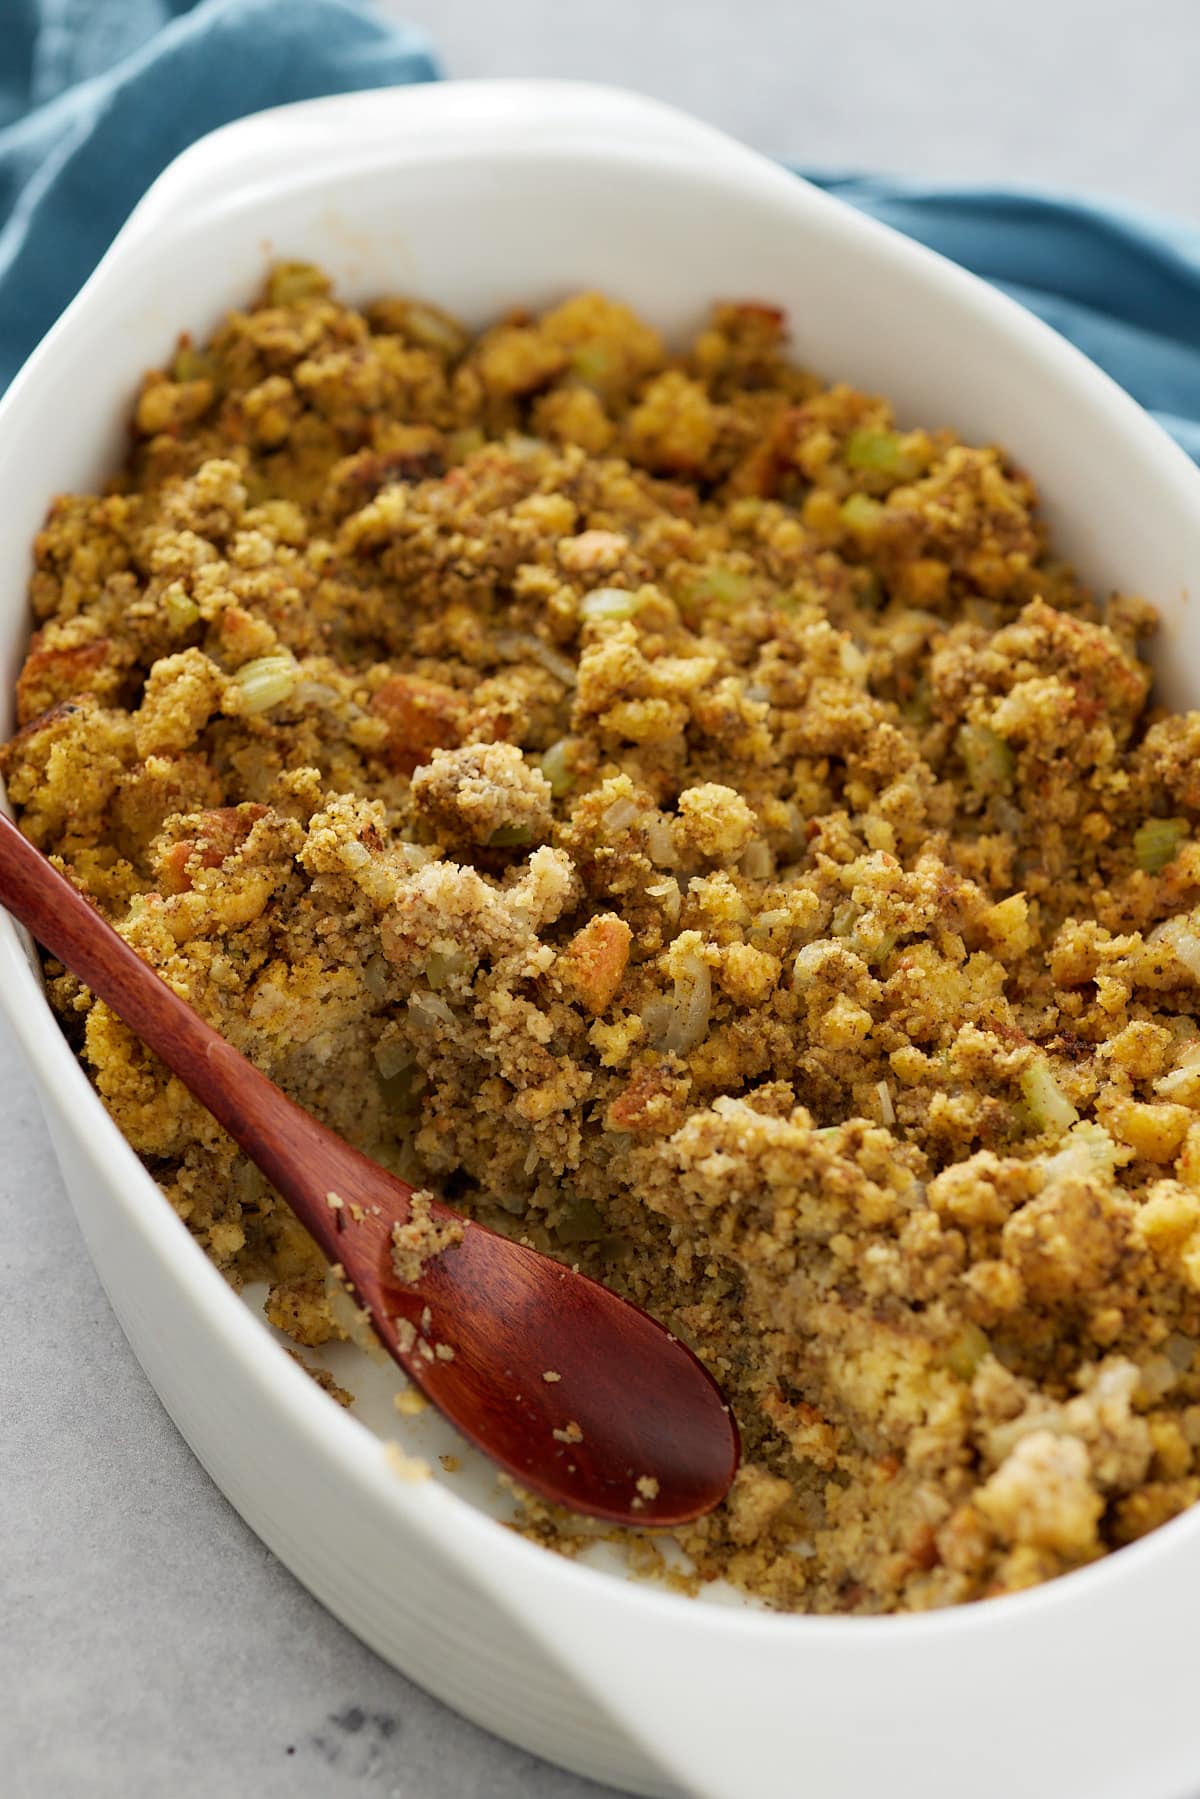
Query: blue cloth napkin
{"points": [[97, 96]]}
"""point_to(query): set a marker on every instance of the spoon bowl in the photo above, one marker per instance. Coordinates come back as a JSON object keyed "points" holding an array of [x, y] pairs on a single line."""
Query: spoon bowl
{"points": [[580, 1396]]}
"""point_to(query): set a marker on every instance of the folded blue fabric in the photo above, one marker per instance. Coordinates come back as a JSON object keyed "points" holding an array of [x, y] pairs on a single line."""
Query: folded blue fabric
{"points": [[97, 96], [1123, 286], [100, 95]]}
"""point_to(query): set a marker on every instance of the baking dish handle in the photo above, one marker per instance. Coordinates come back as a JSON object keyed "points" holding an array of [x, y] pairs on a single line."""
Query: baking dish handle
{"points": [[349, 131]]}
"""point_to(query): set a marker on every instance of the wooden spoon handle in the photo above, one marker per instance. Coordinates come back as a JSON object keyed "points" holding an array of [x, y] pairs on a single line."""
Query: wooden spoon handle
{"points": [[274, 1131]]}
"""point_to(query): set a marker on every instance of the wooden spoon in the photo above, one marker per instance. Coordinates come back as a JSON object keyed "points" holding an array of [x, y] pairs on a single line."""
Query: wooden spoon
{"points": [[578, 1394]]}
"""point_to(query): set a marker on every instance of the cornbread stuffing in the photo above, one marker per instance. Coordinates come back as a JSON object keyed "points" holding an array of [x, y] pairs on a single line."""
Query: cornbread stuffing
{"points": [[697, 825]]}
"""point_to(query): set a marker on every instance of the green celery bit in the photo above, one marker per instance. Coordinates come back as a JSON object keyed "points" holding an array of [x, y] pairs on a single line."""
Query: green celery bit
{"points": [[1049, 1106], [861, 514], [882, 452], [182, 611], [191, 364], [965, 1352], [291, 282], [266, 682], [988, 759], [557, 769], [592, 363], [1158, 842], [719, 589]]}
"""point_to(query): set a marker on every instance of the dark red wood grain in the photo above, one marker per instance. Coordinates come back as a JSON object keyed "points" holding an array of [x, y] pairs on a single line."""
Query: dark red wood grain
{"points": [[643, 1404]]}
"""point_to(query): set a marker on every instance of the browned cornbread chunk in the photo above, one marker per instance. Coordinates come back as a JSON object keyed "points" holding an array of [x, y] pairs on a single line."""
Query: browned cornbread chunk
{"points": [[696, 824]]}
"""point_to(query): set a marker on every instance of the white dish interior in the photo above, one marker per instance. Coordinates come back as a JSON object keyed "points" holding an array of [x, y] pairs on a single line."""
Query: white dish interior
{"points": [[480, 197]]}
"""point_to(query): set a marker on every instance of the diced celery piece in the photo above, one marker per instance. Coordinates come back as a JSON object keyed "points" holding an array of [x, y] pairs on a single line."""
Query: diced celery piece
{"points": [[718, 589], [181, 610], [882, 452], [392, 1058], [557, 768], [965, 1351], [861, 514], [443, 965], [508, 837], [988, 759], [581, 1223], [1049, 1106], [397, 1090], [1158, 842], [916, 709], [267, 681], [191, 364], [592, 363], [464, 443], [290, 282], [434, 330]]}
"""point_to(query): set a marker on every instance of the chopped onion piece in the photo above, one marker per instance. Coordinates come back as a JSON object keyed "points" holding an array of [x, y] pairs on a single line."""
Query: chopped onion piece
{"points": [[430, 1009], [267, 681], [391, 1057], [660, 845], [765, 926], [693, 1005], [1182, 1081], [854, 663], [315, 693], [521, 446], [757, 862], [609, 603], [886, 1108], [416, 855], [1183, 941], [1158, 1376], [668, 894], [375, 976], [621, 813], [515, 644], [656, 1016]]}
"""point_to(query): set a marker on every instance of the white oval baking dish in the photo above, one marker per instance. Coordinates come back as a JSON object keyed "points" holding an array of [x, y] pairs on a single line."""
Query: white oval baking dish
{"points": [[481, 196]]}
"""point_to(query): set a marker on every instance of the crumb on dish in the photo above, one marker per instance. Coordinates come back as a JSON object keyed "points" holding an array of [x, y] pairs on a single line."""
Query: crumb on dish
{"points": [[406, 1467], [417, 1242], [324, 1379]]}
